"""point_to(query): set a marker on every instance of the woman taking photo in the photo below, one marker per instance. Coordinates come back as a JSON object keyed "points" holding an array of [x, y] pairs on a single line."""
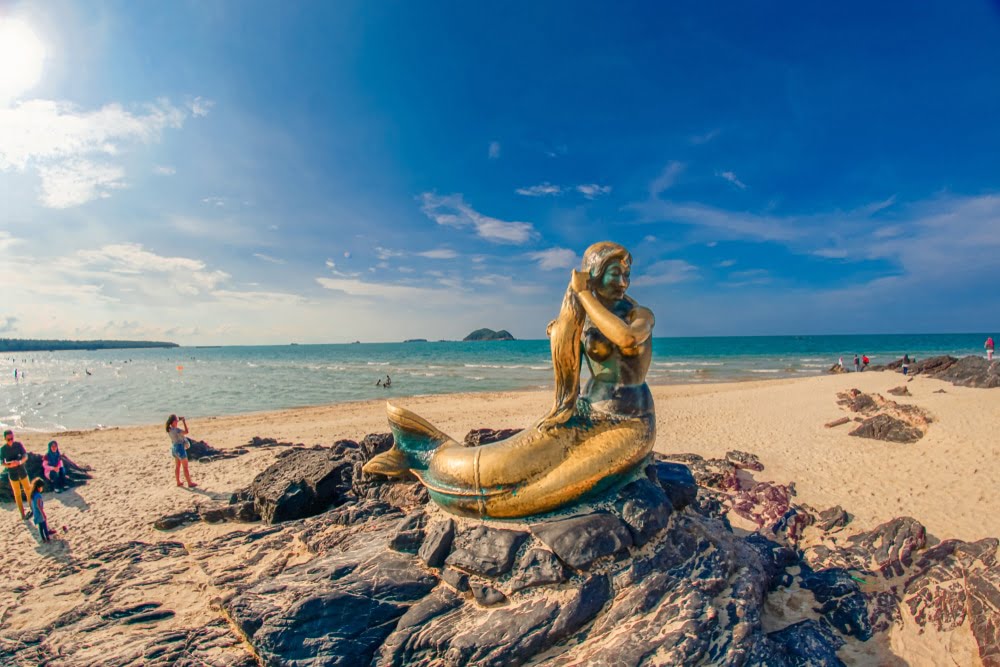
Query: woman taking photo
{"points": [[178, 447]]}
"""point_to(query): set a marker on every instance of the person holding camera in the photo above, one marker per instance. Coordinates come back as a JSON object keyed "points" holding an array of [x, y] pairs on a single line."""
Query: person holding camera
{"points": [[179, 447]]}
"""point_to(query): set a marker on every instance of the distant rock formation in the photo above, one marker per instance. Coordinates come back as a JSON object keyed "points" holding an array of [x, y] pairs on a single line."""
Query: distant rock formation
{"points": [[415, 340], [489, 334], [970, 371]]}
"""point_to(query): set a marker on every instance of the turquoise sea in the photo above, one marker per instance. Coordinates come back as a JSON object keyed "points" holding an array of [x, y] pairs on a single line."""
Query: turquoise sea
{"points": [[88, 389]]}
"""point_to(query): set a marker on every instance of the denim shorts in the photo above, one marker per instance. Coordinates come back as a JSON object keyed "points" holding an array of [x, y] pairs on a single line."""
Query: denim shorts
{"points": [[179, 451]]}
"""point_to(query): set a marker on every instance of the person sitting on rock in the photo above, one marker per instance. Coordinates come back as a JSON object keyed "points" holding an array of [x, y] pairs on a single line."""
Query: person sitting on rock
{"points": [[54, 469]]}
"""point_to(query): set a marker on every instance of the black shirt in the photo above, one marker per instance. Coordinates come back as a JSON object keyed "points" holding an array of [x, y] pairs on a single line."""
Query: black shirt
{"points": [[14, 452]]}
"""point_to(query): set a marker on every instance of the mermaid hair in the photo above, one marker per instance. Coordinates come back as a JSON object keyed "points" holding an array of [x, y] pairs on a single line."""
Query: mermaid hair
{"points": [[565, 331]]}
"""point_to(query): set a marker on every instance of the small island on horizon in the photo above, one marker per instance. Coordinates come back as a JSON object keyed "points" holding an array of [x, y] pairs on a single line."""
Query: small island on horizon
{"points": [[43, 345], [489, 334]]}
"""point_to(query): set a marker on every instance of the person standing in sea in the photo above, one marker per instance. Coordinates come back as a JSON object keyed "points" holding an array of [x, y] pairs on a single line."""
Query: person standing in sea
{"points": [[14, 457], [178, 447]]}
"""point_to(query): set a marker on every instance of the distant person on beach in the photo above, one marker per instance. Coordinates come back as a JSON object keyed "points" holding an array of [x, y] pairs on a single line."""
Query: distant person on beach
{"points": [[178, 447], [379, 383], [841, 362], [864, 361], [989, 348], [14, 459], [38, 509], [906, 364], [857, 364], [388, 381], [53, 468]]}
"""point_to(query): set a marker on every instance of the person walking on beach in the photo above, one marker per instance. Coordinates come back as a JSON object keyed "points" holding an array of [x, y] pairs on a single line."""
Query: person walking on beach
{"points": [[53, 468], [38, 509], [857, 364], [178, 447], [14, 457], [989, 348], [906, 364]]}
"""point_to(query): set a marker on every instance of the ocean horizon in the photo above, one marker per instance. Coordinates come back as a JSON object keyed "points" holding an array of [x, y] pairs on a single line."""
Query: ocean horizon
{"points": [[83, 389]]}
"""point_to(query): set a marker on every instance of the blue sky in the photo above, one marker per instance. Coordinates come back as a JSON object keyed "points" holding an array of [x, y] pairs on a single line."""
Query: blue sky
{"points": [[249, 172]]}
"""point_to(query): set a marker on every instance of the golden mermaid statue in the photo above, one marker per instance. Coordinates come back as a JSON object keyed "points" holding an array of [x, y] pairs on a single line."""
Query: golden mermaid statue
{"points": [[585, 444]]}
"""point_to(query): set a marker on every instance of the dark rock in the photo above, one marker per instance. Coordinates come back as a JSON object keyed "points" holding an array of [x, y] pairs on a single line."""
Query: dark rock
{"points": [[972, 372], [486, 551], [807, 643], [486, 595], [856, 400], [932, 365], [373, 444], [887, 549], [901, 390], [837, 368], [437, 543], [744, 460], [709, 473], [243, 511], [775, 558], [304, 482], [171, 521], [644, 508], [410, 534], [842, 602], [885, 427], [536, 568], [580, 540], [457, 580], [832, 519], [677, 482], [484, 436]]}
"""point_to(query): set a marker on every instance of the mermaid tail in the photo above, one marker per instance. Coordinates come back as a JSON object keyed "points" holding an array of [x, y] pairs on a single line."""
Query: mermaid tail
{"points": [[539, 469]]}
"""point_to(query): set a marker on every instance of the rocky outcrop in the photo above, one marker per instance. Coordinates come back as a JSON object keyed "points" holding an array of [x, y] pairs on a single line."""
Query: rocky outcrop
{"points": [[884, 419], [488, 334], [972, 372], [303, 482], [76, 475]]}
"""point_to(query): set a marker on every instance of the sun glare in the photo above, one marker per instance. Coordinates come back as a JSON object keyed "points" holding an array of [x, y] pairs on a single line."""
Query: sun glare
{"points": [[21, 57]]}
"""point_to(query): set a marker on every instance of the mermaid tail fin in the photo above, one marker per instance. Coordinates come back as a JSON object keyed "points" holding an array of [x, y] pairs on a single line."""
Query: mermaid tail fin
{"points": [[414, 441]]}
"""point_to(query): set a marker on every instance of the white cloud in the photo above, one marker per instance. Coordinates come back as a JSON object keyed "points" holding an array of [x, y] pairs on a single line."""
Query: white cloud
{"points": [[164, 170], [258, 299], [452, 211], [78, 181], [667, 178], [555, 258], [438, 253], [62, 142], [214, 201], [545, 189], [667, 272], [7, 241], [831, 253], [199, 106], [386, 253], [699, 139], [494, 150], [389, 291], [268, 258], [331, 264], [748, 278], [731, 177], [592, 190], [8, 324], [726, 263], [128, 261]]}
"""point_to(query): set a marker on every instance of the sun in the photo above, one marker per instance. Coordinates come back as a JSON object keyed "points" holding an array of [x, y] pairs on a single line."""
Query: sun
{"points": [[22, 55]]}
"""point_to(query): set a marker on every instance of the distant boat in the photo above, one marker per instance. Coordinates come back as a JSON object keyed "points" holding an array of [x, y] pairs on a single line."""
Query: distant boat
{"points": [[293, 343]]}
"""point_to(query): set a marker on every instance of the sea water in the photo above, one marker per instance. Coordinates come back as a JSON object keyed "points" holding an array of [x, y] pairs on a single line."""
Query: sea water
{"points": [[92, 389]]}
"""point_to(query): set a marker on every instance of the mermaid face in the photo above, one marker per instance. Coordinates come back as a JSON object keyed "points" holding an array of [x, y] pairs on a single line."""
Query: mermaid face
{"points": [[612, 285]]}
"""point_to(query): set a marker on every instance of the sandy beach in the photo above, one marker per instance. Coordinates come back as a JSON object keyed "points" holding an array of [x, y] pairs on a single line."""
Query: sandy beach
{"points": [[946, 480]]}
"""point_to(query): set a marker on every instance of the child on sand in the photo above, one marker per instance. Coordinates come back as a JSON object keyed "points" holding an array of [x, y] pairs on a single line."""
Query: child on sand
{"points": [[38, 509], [178, 447]]}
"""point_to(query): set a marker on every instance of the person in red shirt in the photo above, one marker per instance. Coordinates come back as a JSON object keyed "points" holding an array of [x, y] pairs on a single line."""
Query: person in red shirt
{"points": [[989, 348]]}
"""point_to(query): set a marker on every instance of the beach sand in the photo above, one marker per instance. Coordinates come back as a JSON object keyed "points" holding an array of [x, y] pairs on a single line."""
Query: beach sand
{"points": [[946, 480]]}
